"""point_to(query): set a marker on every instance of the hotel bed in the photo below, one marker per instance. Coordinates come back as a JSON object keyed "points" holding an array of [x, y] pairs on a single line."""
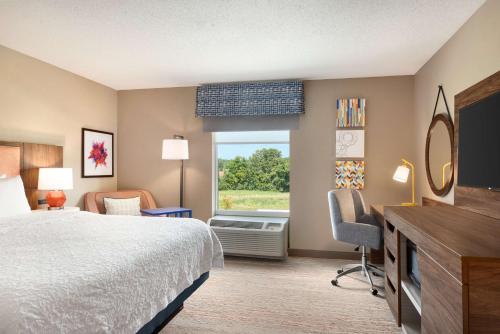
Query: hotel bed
{"points": [[81, 272]]}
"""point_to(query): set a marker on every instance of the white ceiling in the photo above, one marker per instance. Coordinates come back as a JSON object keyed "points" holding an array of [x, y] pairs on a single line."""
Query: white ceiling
{"points": [[127, 44]]}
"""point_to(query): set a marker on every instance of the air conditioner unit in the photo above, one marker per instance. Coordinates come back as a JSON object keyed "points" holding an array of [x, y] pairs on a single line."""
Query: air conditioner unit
{"points": [[252, 236]]}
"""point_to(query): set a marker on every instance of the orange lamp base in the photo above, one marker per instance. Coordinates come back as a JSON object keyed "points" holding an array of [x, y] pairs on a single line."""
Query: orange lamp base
{"points": [[55, 199]]}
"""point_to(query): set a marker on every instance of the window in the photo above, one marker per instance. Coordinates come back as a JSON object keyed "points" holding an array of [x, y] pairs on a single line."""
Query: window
{"points": [[252, 172]]}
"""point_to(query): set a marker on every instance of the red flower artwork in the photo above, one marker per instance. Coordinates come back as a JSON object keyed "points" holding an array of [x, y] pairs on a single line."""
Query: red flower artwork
{"points": [[99, 154]]}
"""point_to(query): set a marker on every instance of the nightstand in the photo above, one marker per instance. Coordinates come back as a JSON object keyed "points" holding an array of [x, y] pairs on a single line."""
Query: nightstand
{"points": [[66, 208], [176, 211]]}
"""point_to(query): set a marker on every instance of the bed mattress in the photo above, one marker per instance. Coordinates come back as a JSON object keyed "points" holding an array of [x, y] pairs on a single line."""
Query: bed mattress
{"points": [[80, 272]]}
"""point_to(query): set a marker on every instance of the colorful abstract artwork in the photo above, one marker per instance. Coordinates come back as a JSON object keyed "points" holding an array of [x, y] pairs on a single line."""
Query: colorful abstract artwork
{"points": [[97, 153], [350, 144], [350, 174], [351, 112]]}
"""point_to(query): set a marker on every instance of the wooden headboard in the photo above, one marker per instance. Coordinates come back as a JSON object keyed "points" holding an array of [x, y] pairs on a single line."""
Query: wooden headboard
{"points": [[25, 159]]}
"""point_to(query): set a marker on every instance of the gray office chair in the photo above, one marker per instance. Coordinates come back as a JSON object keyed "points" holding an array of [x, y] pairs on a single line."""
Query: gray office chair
{"points": [[351, 224]]}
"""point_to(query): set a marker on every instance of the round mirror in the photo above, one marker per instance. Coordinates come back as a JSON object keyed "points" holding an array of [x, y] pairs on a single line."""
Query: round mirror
{"points": [[439, 155]]}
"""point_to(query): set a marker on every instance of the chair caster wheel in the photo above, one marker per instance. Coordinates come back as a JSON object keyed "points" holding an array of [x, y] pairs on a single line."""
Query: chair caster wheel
{"points": [[334, 282], [375, 274], [374, 292], [340, 271]]}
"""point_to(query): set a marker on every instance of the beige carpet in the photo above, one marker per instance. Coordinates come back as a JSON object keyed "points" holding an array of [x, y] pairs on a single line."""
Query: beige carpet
{"points": [[292, 297]]}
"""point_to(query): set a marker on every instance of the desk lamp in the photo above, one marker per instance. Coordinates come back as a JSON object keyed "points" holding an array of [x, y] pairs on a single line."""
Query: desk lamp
{"points": [[448, 164], [401, 175]]}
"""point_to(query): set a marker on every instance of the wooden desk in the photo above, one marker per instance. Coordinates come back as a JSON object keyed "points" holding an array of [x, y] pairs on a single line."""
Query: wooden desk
{"points": [[377, 255], [459, 262]]}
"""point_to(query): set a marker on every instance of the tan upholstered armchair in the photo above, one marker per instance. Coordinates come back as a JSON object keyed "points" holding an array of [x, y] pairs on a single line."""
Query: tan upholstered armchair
{"points": [[94, 202]]}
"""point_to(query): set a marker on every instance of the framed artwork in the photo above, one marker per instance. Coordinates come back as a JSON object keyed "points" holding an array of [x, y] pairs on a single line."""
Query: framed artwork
{"points": [[350, 144], [97, 153], [350, 174], [351, 112]]}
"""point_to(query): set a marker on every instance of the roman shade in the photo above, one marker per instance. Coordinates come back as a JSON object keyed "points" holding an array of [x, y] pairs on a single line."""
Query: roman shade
{"points": [[269, 98]]}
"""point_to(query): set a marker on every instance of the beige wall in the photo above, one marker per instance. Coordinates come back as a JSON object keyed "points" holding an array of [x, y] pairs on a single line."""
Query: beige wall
{"points": [[471, 55], [145, 117], [388, 138], [41, 103]]}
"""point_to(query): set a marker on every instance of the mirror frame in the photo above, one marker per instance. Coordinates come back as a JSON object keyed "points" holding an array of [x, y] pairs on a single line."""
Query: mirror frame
{"points": [[449, 126]]}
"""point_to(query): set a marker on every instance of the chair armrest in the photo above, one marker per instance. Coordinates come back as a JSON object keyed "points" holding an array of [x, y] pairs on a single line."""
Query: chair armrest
{"points": [[368, 219]]}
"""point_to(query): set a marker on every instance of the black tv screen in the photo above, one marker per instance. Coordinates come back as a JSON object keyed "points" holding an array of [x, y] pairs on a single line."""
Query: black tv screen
{"points": [[479, 144]]}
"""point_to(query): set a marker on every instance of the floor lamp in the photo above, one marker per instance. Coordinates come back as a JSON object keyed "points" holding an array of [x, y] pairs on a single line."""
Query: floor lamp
{"points": [[177, 149]]}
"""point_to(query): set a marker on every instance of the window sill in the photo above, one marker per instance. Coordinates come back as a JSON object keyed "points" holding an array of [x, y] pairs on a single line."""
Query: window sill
{"points": [[261, 213]]}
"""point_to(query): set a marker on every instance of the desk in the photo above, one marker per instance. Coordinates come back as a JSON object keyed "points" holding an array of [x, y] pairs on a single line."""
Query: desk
{"points": [[377, 255], [458, 255], [176, 211]]}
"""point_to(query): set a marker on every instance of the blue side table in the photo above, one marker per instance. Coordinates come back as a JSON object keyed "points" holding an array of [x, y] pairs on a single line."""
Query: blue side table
{"points": [[176, 211]]}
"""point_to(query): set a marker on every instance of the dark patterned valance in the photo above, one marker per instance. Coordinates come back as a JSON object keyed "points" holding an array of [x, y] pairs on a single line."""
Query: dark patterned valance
{"points": [[250, 99]]}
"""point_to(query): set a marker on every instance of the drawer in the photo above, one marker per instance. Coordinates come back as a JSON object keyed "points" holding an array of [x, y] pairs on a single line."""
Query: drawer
{"points": [[391, 264], [392, 298], [390, 236]]}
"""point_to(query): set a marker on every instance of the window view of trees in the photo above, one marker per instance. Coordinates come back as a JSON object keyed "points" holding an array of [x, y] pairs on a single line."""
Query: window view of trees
{"points": [[261, 181]]}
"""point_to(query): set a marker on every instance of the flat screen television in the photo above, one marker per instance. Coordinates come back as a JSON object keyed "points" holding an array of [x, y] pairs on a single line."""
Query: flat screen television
{"points": [[479, 144]]}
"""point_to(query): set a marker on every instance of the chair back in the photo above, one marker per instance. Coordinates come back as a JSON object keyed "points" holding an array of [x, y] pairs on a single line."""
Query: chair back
{"points": [[94, 201], [346, 206]]}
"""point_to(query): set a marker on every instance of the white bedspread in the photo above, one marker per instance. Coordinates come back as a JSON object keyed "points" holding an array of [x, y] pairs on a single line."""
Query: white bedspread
{"points": [[79, 272]]}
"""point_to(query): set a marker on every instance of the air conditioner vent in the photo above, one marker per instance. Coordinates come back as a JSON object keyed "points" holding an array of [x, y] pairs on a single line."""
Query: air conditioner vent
{"points": [[252, 236], [236, 224]]}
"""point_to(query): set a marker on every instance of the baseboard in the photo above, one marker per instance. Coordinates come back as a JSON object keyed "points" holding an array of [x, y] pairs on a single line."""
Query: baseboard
{"points": [[324, 254]]}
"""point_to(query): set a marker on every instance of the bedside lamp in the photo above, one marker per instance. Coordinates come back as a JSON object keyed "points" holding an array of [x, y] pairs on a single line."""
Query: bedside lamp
{"points": [[401, 175], [176, 149], [55, 180]]}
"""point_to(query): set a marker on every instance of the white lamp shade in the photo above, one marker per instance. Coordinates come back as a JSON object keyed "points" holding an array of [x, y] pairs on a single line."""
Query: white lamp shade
{"points": [[175, 149], [55, 178], [401, 174]]}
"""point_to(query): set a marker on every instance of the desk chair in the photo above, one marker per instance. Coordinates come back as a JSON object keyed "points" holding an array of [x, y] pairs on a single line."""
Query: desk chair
{"points": [[351, 224]]}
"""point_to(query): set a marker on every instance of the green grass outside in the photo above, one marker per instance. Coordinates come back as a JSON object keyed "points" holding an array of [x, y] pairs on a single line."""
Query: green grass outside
{"points": [[251, 200]]}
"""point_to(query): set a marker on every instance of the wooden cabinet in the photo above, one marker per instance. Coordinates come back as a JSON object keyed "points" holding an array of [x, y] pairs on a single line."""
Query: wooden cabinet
{"points": [[441, 298], [377, 255], [458, 256], [484, 296], [392, 298], [391, 263], [391, 239], [390, 258]]}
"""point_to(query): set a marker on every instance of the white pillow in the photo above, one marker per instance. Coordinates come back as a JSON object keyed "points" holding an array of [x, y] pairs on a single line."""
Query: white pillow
{"points": [[12, 197], [123, 206]]}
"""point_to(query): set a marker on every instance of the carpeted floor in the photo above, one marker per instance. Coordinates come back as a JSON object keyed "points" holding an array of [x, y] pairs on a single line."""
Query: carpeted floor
{"points": [[292, 297]]}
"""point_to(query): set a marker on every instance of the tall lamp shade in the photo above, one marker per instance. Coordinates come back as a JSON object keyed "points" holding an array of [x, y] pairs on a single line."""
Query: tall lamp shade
{"points": [[176, 149], [55, 180]]}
